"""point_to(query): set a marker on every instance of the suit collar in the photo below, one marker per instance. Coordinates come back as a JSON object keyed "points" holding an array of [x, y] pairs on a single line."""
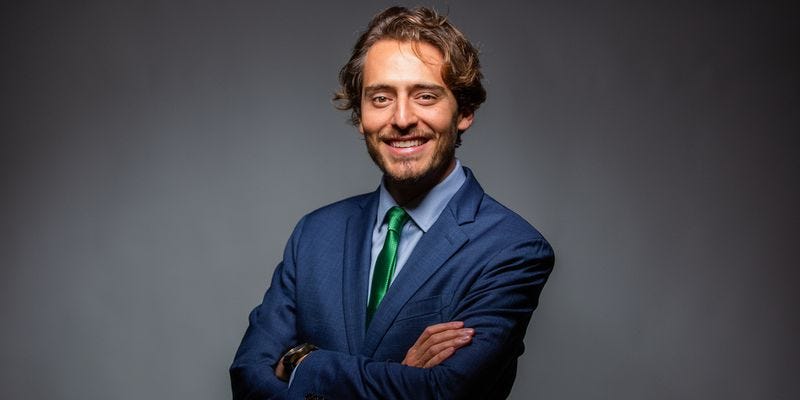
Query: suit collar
{"points": [[466, 202]]}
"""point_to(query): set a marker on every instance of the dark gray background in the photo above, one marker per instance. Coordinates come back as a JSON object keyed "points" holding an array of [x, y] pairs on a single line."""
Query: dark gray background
{"points": [[155, 156]]}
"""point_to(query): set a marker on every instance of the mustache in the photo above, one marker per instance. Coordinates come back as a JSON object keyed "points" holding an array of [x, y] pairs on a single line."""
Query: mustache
{"points": [[394, 134]]}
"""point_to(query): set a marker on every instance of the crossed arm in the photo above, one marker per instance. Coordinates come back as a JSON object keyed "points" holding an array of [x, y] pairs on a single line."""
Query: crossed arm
{"points": [[493, 315], [435, 344]]}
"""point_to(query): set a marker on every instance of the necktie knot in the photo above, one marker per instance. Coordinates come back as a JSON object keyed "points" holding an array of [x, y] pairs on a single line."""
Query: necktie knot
{"points": [[397, 217]]}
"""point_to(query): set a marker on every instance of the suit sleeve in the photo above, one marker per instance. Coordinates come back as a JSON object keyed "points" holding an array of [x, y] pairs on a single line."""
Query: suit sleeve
{"points": [[498, 306], [269, 334]]}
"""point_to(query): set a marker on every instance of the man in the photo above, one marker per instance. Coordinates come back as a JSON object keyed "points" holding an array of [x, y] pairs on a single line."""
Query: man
{"points": [[422, 289]]}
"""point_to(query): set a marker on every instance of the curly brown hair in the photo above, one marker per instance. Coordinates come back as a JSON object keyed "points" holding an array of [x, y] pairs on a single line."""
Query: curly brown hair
{"points": [[461, 71]]}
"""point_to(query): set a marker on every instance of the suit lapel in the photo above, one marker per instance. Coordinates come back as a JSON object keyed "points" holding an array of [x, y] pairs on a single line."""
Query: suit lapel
{"points": [[357, 253], [434, 248]]}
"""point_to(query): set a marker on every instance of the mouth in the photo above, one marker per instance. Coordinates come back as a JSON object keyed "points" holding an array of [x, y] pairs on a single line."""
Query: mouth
{"points": [[405, 143]]}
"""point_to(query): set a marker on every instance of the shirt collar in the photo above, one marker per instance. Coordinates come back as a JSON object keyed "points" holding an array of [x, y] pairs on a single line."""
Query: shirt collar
{"points": [[425, 212]]}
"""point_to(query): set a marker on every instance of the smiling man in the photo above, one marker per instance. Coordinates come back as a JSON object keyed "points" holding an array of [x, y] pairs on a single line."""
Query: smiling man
{"points": [[422, 289], [409, 118]]}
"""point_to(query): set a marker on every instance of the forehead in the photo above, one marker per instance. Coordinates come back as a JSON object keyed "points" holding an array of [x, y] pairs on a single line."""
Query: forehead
{"points": [[393, 62]]}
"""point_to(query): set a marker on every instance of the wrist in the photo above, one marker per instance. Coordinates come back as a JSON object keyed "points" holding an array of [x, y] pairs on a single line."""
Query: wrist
{"points": [[292, 358]]}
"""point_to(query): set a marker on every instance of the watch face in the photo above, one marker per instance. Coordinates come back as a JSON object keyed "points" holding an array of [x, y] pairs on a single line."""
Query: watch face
{"points": [[293, 356]]}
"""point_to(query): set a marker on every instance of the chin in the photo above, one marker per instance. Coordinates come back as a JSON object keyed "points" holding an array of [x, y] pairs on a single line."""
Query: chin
{"points": [[403, 175], [409, 173], [421, 169]]}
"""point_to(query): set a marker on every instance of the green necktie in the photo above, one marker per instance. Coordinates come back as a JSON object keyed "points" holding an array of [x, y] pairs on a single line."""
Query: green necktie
{"points": [[387, 260]]}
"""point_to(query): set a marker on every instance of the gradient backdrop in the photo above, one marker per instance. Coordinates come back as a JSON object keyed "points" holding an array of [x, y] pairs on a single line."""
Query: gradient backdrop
{"points": [[155, 156]]}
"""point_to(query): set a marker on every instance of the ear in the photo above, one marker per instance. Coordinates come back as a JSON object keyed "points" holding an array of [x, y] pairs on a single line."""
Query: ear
{"points": [[465, 121], [360, 126]]}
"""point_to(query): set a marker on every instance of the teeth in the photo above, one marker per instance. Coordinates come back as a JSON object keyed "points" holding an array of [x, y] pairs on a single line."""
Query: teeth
{"points": [[406, 143]]}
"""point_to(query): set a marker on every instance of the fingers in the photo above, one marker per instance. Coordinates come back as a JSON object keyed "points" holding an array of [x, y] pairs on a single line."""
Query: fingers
{"points": [[437, 343], [442, 345], [438, 328], [438, 358]]}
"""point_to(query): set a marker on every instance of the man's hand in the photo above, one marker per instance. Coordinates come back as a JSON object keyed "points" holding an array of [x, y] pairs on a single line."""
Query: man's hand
{"points": [[280, 372], [437, 343]]}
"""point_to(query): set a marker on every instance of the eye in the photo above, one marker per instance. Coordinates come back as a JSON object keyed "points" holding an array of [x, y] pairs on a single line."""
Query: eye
{"points": [[380, 101], [426, 98]]}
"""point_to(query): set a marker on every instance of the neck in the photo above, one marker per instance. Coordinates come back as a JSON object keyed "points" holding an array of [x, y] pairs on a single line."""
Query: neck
{"points": [[406, 192]]}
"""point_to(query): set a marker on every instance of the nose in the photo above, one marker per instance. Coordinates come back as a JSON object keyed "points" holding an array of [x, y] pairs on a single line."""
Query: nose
{"points": [[404, 116]]}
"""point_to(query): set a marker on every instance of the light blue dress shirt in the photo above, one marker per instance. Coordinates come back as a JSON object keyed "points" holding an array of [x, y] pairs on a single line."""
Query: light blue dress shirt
{"points": [[423, 215]]}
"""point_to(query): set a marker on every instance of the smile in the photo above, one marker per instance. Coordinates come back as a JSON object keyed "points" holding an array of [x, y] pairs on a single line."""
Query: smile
{"points": [[402, 144]]}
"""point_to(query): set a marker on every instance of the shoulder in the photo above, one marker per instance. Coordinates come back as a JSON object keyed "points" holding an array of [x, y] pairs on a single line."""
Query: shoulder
{"points": [[477, 211], [497, 230], [333, 217], [341, 209], [504, 238], [505, 221]]}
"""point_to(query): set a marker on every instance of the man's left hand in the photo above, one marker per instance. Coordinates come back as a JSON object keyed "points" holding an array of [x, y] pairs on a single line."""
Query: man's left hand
{"points": [[437, 343]]}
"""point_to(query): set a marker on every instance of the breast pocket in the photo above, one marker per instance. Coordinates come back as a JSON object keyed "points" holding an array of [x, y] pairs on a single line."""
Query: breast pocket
{"points": [[422, 308]]}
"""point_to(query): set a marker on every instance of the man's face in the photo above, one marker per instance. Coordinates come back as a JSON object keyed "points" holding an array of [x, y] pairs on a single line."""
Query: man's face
{"points": [[409, 118]]}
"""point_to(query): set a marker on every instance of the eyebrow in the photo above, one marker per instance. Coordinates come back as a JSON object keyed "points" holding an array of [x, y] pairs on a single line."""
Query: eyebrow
{"points": [[417, 87]]}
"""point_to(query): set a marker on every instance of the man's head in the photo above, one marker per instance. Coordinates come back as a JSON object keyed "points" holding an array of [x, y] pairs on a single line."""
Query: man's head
{"points": [[413, 85], [460, 72]]}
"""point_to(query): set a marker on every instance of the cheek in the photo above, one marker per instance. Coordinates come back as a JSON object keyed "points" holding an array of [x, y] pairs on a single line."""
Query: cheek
{"points": [[440, 120], [369, 124]]}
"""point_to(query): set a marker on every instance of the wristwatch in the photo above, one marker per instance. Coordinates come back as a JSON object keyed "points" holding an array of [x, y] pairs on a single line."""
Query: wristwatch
{"points": [[292, 357]]}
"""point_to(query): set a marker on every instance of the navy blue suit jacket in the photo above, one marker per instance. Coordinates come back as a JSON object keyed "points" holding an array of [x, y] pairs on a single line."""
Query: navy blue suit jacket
{"points": [[479, 263]]}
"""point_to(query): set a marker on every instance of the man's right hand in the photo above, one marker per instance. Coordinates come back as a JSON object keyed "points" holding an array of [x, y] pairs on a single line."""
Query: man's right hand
{"points": [[437, 343]]}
